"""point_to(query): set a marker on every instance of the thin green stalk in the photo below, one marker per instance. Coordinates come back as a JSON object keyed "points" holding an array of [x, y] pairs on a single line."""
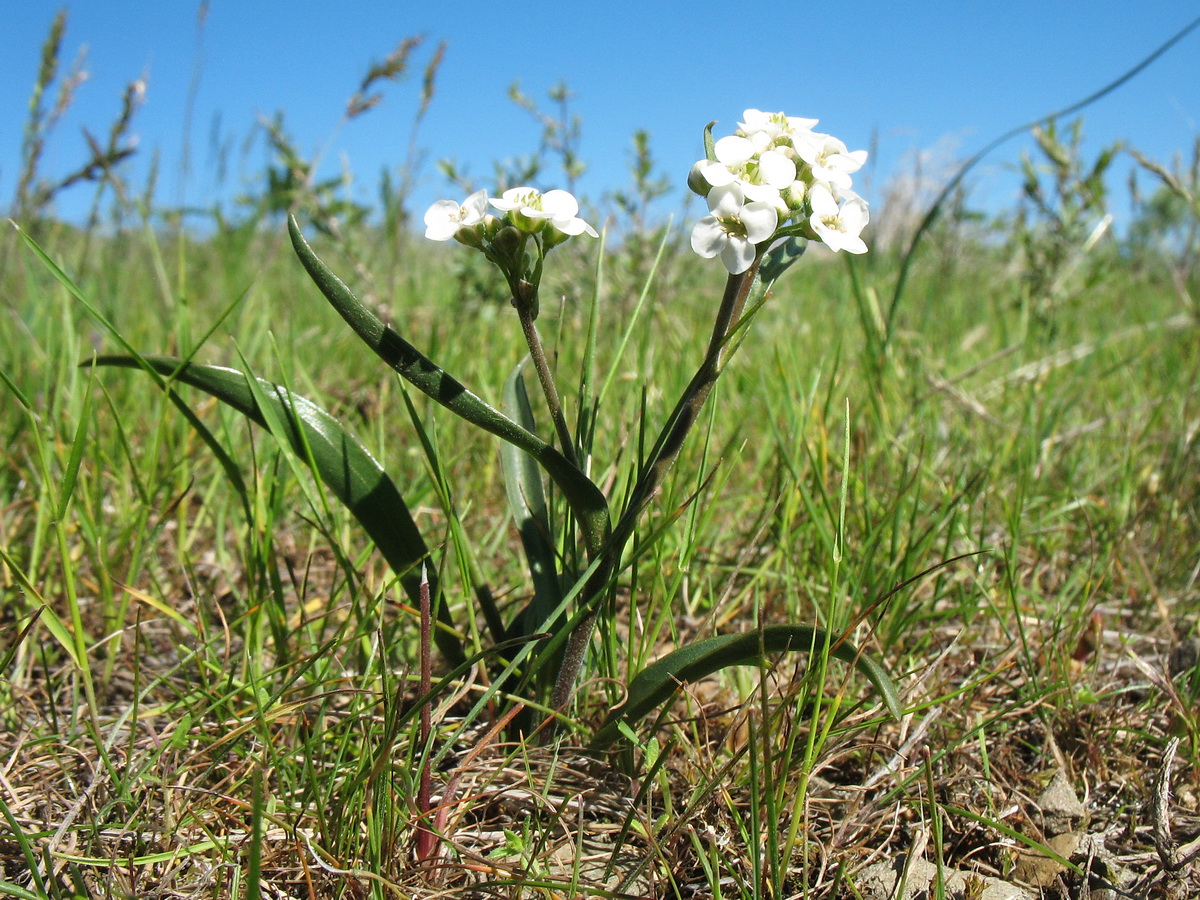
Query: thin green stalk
{"points": [[426, 841], [935, 822], [546, 378]]}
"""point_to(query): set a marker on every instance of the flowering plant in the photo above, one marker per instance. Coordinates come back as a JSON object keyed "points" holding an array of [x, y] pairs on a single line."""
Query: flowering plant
{"points": [[770, 187], [772, 179]]}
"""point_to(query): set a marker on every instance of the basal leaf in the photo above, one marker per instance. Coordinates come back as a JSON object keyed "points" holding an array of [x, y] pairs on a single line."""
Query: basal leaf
{"points": [[343, 464], [527, 504], [658, 682]]}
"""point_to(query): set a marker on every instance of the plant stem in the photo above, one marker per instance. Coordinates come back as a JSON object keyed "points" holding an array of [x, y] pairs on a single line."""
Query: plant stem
{"points": [[525, 312], [661, 458]]}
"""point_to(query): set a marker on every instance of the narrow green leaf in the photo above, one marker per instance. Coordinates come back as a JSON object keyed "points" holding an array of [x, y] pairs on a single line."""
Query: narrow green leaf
{"points": [[53, 622], [71, 472], [710, 152], [8, 889], [656, 684], [342, 463], [18, 836], [527, 503]]}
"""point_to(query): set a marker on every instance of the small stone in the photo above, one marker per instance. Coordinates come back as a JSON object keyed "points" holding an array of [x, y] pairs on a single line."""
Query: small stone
{"points": [[1061, 810], [1039, 869], [879, 881]]}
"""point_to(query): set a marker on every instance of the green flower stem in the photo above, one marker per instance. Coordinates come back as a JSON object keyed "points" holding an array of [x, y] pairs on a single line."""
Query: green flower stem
{"points": [[537, 353], [661, 459]]}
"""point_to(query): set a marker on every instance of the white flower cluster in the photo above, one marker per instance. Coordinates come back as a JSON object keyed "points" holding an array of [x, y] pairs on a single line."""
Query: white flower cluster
{"points": [[525, 208], [776, 174]]}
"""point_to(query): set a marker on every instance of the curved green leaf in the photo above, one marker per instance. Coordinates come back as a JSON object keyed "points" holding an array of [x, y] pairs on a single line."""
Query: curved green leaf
{"points": [[655, 684], [780, 258], [342, 463], [527, 504], [710, 145], [587, 501]]}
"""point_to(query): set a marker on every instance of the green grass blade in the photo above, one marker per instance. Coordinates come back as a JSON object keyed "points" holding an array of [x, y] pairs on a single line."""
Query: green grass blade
{"points": [[78, 442], [48, 617], [26, 846], [346, 467], [464, 549], [655, 684]]}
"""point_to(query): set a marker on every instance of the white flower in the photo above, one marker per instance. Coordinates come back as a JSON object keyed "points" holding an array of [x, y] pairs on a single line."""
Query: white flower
{"points": [[762, 174], [830, 161], [838, 227], [559, 207], [734, 227], [445, 218], [774, 125]]}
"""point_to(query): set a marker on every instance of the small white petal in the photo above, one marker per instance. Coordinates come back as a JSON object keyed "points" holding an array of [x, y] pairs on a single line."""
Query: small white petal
{"points": [[761, 140], [857, 158], [760, 220], [708, 237], [561, 203], [573, 225], [717, 174], [761, 192], [475, 207], [797, 125], [738, 255], [442, 220], [754, 120], [726, 200], [821, 201], [442, 209], [856, 215], [733, 150], [776, 169]]}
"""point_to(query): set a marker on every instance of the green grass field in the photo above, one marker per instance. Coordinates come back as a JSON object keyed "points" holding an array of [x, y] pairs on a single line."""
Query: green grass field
{"points": [[210, 681]]}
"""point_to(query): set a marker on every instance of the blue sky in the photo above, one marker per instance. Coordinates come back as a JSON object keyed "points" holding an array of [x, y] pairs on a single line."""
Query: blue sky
{"points": [[945, 76]]}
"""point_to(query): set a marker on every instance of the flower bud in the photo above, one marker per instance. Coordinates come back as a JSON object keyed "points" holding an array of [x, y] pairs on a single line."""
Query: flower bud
{"points": [[552, 237], [793, 195], [508, 241], [472, 235], [527, 224], [491, 225], [696, 181]]}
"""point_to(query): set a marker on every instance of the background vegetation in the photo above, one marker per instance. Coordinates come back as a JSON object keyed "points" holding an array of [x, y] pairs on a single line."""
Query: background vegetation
{"points": [[208, 679]]}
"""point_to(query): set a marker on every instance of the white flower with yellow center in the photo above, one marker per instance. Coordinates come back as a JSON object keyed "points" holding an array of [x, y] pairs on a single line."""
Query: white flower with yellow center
{"points": [[733, 227], [774, 128], [762, 175], [445, 218], [830, 161], [838, 227], [559, 208]]}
